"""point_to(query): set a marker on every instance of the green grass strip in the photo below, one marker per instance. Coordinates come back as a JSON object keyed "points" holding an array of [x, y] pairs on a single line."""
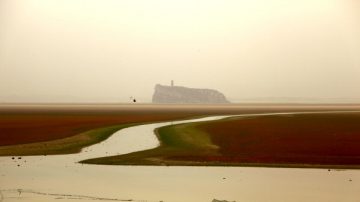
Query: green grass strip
{"points": [[68, 145]]}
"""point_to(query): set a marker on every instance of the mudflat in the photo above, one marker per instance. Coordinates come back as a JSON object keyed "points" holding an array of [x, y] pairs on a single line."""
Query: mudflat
{"points": [[315, 139], [63, 129], [21, 124]]}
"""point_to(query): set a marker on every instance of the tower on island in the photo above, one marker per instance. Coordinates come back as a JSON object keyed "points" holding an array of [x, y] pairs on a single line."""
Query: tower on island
{"points": [[172, 83]]}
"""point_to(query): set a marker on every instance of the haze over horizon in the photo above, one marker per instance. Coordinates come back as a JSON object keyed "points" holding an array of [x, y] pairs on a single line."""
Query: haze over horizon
{"points": [[107, 51]]}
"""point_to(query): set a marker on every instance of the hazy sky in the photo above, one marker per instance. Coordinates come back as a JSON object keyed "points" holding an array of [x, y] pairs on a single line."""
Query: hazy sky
{"points": [[109, 50]]}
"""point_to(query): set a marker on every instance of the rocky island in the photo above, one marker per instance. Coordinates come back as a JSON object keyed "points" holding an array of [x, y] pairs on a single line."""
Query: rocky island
{"points": [[184, 95]]}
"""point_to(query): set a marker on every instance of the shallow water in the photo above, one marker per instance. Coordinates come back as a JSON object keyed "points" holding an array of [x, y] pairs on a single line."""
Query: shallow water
{"points": [[48, 178], [131, 139]]}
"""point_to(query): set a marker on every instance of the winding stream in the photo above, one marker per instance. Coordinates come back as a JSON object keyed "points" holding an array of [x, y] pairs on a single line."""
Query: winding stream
{"points": [[47, 178]]}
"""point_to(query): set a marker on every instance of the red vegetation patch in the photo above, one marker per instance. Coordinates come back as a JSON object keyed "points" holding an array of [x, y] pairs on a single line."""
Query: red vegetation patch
{"points": [[301, 139]]}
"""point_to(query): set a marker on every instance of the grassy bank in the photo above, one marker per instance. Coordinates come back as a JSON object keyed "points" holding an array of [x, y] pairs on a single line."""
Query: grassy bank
{"points": [[72, 144], [50, 131], [67, 145], [175, 141]]}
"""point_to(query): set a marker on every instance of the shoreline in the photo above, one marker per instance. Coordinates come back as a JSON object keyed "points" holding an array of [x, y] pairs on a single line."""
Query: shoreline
{"points": [[150, 107]]}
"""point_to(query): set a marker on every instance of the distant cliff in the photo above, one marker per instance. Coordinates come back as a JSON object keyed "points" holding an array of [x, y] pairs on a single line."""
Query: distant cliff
{"points": [[184, 95]]}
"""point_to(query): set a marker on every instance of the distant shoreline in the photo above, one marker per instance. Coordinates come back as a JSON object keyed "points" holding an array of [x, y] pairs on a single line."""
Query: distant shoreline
{"points": [[115, 107]]}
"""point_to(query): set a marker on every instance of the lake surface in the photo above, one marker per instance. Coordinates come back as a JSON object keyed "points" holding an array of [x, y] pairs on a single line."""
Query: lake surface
{"points": [[61, 178]]}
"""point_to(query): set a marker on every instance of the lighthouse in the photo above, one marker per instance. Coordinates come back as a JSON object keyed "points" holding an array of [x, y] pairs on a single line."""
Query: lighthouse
{"points": [[172, 83]]}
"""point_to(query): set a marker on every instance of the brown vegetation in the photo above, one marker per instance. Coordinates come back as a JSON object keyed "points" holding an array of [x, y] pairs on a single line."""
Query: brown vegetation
{"points": [[332, 139], [20, 124]]}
